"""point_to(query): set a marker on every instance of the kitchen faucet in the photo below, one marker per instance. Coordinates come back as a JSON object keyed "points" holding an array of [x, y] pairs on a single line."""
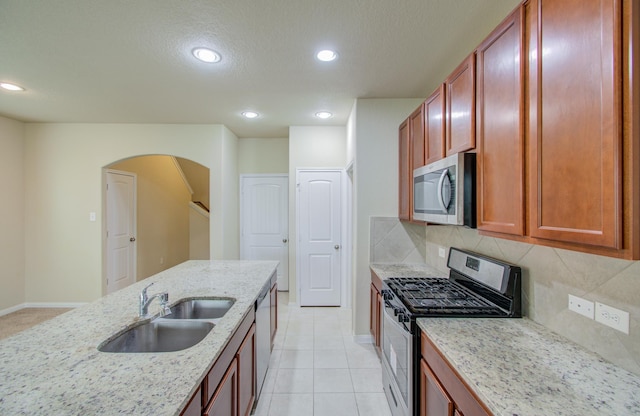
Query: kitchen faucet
{"points": [[145, 301]]}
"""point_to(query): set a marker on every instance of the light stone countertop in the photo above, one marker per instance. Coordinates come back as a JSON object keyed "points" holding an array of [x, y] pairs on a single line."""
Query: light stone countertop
{"points": [[55, 367], [519, 368], [387, 270]]}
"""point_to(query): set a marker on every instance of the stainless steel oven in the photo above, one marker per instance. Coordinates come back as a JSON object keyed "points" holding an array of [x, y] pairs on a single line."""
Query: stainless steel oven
{"points": [[397, 371], [478, 286]]}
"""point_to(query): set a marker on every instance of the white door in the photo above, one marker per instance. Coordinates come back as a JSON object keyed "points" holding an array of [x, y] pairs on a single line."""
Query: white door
{"points": [[121, 229], [264, 207], [319, 237]]}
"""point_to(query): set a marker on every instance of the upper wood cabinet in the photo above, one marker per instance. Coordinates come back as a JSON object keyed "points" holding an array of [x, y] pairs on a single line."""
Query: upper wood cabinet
{"points": [[416, 138], [404, 173], [460, 105], [499, 128], [434, 126], [574, 128]]}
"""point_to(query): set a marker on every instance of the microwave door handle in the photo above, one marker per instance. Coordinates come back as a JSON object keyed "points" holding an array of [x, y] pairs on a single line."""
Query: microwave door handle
{"points": [[441, 184]]}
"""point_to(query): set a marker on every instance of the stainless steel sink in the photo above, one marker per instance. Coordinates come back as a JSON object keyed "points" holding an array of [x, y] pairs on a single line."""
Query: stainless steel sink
{"points": [[159, 336], [200, 309]]}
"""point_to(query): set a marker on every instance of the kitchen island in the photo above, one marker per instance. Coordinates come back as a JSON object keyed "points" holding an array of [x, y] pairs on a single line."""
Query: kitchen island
{"points": [[56, 368]]}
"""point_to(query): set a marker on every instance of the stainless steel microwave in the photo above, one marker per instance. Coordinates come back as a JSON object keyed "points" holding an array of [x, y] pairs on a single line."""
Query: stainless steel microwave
{"points": [[444, 192]]}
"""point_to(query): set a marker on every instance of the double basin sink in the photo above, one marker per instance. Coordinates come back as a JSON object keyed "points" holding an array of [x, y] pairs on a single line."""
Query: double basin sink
{"points": [[188, 323]]}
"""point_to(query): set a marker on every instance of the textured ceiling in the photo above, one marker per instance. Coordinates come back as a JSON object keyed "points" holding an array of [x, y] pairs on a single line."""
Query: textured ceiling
{"points": [[129, 61]]}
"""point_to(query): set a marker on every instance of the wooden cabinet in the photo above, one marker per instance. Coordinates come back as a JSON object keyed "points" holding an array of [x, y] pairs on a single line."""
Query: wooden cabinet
{"points": [[194, 407], [274, 312], [500, 128], [434, 125], [405, 174], [460, 108], [416, 138], [434, 400], [412, 156], [232, 376], [375, 311], [246, 359], [224, 401], [574, 128], [442, 391]]}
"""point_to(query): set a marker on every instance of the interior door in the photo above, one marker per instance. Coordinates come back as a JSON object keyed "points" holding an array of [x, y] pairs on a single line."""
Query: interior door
{"points": [[319, 237], [121, 229], [265, 222]]}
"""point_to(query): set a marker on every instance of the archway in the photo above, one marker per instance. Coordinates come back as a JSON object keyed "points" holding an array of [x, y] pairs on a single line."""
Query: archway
{"points": [[171, 215]]}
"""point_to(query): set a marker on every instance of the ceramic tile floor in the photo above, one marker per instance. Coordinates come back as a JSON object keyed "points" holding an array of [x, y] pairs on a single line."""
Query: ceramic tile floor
{"points": [[317, 369]]}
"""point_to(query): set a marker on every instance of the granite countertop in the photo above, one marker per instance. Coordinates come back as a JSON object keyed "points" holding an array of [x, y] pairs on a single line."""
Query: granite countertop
{"points": [[55, 367], [519, 368], [387, 270]]}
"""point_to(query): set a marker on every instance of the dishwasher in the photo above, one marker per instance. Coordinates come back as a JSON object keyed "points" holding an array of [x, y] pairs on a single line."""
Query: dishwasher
{"points": [[263, 336]]}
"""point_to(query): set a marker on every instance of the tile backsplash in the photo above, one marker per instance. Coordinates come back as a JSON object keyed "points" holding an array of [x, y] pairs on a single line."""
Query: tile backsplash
{"points": [[549, 276]]}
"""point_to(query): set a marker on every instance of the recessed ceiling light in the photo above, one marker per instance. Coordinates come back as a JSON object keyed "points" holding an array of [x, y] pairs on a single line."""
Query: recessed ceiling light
{"points": [[250, 114], [323, 114], [11, 87], [207, 55], [326, 55]]}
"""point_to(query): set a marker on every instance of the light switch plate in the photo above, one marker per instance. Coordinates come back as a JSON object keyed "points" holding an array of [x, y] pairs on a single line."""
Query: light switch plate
{"points": [[610, 316], [581, 306], [442, 252]]}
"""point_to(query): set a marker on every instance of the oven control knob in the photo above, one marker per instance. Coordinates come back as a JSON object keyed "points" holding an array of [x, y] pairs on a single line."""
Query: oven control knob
{"points": [[386, 294], [396, 312], [403, 318]]}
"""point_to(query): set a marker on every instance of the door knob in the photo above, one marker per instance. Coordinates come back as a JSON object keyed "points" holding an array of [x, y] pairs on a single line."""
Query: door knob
{"points": [[337, 247], [284, 240], [132, 239]]}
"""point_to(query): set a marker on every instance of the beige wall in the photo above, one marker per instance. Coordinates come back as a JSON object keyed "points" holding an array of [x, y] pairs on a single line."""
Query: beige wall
{"points": [[375, 185], [310, 147], [198, 233], [63, 183], [258, 156], [162, 234], [12, 280]]}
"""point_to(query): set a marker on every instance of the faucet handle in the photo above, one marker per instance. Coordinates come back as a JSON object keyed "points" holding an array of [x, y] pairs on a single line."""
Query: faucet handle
{"points": [[144, 291]]}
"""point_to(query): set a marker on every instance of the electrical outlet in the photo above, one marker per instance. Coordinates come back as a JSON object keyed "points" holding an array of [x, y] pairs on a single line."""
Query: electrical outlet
{"points": [[442, 252], [581, 306], [161, 260], [92, 216], [610, 316]]}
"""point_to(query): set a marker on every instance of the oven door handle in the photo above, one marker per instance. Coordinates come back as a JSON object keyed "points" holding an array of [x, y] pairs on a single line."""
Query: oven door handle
{"points": [[394, 321]]}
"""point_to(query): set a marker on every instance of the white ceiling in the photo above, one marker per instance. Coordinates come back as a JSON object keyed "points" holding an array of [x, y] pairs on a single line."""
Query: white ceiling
{"points": [[129, 61]]}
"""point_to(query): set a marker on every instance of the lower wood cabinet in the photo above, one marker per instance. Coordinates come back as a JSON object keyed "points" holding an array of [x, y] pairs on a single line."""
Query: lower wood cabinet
{"points": [[274, 311], [434, 400], [194, 407], [442, 391], [375, 311], [246, 359], [224, 401]]}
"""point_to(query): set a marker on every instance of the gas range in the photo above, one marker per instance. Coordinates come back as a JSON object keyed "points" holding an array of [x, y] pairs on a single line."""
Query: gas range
{"points": [[477, 287]]}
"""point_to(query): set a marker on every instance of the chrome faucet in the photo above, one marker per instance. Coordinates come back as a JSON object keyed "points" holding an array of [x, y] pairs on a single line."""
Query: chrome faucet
{"points": [[145, 301]]}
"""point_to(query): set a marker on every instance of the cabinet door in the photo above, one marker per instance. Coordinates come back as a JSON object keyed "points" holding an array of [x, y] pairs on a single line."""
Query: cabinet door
{"points": [[499, 128], [374, 315], [194, 408], [416, 138], [274, 312], [224, 401], [575, 121], [434, 400], [434, 126], [405, 175], [460, 105], [246, 359]]}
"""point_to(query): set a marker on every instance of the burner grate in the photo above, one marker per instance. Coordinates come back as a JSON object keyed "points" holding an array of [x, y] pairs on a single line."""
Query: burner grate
{"points": [[439, 295]]}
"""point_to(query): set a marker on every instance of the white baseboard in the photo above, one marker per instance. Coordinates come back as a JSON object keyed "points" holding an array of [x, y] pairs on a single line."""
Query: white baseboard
{"points": [[41, 305], [363, 339]]}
